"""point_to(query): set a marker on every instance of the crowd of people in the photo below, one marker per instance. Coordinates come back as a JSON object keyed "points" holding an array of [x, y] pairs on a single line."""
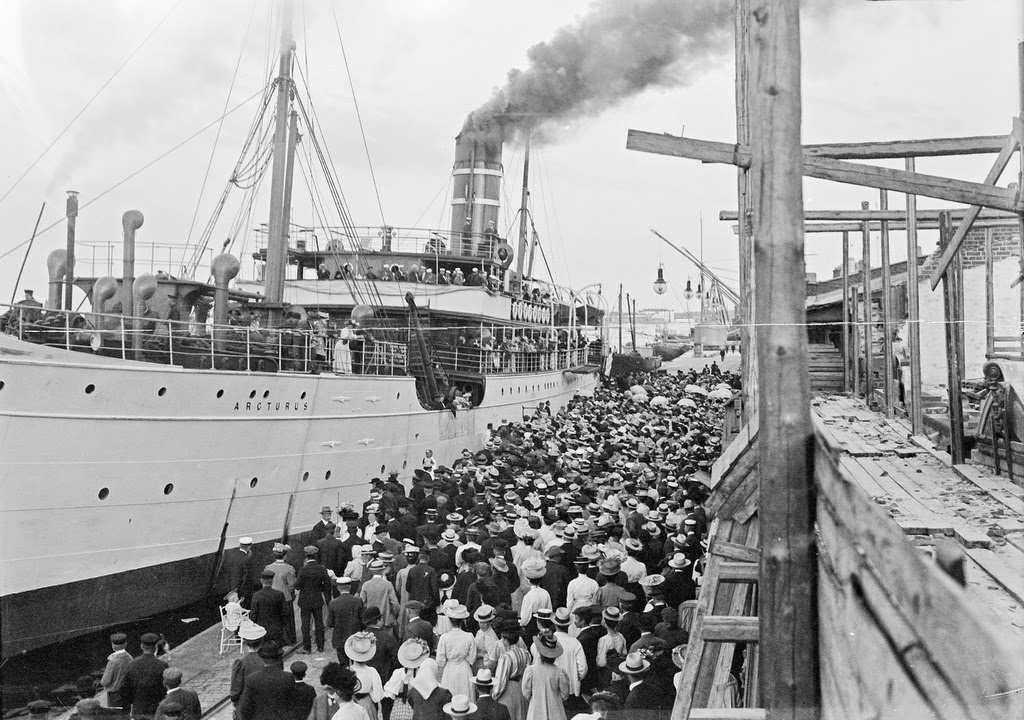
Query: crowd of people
{"points": [[551, 575]]}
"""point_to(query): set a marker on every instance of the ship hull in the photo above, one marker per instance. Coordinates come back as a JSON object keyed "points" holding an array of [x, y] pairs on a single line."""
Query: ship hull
{"points": [[121, 482]]}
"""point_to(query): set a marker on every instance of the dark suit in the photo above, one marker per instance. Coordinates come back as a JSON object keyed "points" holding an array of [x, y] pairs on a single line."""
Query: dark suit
{"points": [[487, 708], [314, 587], [589, 637], [268, 695], [420, 628], [239, 573], [269, 609], [303, 697], [556, 582], [317, 532], [323, 708], [242, 669], [656, 692], [343, 615], [385, 660], [330, 555], [629, 626], [143, 686], [421, 584], [192, 709]]}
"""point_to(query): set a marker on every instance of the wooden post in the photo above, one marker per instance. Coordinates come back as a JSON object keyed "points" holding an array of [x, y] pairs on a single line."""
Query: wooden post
{"points": [[888, 376], [846, 313], [914, 313], [952, 322], [855, 357], [865, 273], [788, 651], [1020, 176], [748, 352], [620, 318], [990, 299]]}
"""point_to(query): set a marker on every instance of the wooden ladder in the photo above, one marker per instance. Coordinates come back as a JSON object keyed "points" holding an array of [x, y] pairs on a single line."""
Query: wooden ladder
{"points": [[719, 623]]}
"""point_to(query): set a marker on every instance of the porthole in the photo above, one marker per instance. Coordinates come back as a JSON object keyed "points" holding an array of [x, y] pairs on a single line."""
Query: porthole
{"points": [[1, 384], [266, 394], [305, 476], [503, 391], [302, 396], [89, 389], [382, 469], [417, 436], [103, 493], [252, 483], [162, 391], [405, 464], [252, 394], [327, 475], [220, 393], [168, 488], [398, 396]]}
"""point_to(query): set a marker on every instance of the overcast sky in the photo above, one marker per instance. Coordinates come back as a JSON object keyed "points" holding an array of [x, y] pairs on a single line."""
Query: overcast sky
{"points": [[871, 71]]}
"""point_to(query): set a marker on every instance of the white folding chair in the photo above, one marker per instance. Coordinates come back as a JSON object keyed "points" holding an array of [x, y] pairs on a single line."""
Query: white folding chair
{"points": [[231, 617]]}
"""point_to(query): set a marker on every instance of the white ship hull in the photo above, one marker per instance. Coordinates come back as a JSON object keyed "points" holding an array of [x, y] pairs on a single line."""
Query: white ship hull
{"points": [[120, 482]]}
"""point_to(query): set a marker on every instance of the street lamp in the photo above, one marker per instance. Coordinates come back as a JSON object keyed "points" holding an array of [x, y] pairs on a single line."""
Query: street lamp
{"points": [[660, 286]]}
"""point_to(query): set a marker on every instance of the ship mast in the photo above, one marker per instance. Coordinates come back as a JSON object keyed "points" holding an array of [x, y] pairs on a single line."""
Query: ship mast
{"points": [[521, 252], [277, 240]]}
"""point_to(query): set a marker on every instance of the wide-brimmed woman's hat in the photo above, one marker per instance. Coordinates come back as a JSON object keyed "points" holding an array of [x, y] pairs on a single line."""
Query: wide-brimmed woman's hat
{"points": [[459, 612], [460, 706], [413, 652], [361, 646], [547, 646]]}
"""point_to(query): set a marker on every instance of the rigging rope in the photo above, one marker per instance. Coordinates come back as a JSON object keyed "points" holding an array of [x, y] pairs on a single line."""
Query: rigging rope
{"points": [[142, 169], [359, 117], [90, 102], [220, 127]]}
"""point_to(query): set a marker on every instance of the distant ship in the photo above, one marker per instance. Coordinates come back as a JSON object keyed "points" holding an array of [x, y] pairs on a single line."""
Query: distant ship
{"points": [[139, 439]]}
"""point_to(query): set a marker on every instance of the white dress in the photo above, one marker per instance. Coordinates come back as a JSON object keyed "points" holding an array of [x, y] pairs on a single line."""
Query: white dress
{"points": [[342, 353], [456, 651]]}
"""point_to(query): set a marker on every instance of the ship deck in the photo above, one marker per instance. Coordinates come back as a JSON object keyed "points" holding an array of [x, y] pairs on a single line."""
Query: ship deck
{"points": [[932, 500]]}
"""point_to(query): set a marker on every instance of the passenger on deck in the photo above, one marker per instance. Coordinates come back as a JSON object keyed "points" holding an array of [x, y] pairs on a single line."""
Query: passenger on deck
{"points": [[458, 278], [343, 350]]}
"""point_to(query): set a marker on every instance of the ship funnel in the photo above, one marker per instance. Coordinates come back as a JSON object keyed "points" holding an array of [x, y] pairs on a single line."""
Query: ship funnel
{"points": [[224, 267], [476, 189], [131, 221], [102, 290], [56, 267], [69, 258]]}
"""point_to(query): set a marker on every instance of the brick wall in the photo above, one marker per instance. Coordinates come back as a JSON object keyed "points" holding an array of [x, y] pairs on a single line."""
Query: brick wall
{"points": [[1004, 245]]}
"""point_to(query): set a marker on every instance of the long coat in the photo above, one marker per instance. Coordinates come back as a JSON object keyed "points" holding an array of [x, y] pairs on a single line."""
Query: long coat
{"points": [[313, 585], [343, 615], [143, 686], [268, 695], [270, 610]]}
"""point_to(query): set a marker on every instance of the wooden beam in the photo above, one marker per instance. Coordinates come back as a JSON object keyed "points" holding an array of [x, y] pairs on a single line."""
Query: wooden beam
{"points": [[1012, 143], [869, 345], [888, 376], [748, 355], [736, 552], [894, 226], [990, 298], [878, 215], [788, 660], [846, 312], [739, 572], [730, 628], [842, 171], [934, 147], [913, 312], [953, 322]]}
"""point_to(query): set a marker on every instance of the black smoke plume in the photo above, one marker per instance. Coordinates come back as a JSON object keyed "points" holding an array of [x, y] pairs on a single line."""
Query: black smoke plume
{"points": [[615, 51]]}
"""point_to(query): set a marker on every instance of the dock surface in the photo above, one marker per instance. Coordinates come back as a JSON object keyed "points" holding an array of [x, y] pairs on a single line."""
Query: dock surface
{"points": [[933, 501]]}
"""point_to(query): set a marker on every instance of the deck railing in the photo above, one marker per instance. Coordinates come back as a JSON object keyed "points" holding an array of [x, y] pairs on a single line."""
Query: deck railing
{"points": [[249, 348]]}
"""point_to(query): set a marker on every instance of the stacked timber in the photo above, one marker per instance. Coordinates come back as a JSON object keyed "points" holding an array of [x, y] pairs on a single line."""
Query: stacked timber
{"points": [[825, 364]]}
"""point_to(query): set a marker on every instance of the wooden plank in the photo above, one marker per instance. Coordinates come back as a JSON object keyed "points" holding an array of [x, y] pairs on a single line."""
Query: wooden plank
{"points": [[842, 171], [1007, 571], [738, 572], [742, 497], [857, 216], [731, 481], [1002, 160], [728, 714], [954, 340], [932, 147], [732, 453], [862, 661], [726, 628], [736, 552], [925, 444], [913, 311], [1000, 490], [749, 507]]}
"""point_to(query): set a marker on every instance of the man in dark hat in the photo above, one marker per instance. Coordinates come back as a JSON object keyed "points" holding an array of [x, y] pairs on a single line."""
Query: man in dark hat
{"points": [[314, 587], [239, 573], [417, 627], [421, 584], [556, 578], [269, 693], [331, 551], [143, 686], [320, 529], [269, 608], [343, 616], [187, 700], [117, 664]]}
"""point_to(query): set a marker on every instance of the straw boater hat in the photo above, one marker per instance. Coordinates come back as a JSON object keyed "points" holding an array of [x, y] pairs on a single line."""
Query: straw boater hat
{"points": [[361, 646], [484, 613], [413, 652], [483, 678], [460, 706]]}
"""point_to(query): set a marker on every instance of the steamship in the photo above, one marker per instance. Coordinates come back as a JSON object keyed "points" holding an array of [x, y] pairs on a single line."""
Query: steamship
{"points": [[141, 437]]}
